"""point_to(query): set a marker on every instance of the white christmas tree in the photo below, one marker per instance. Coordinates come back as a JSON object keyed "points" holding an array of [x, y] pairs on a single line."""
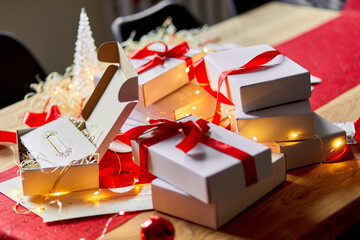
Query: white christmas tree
{"points": [[85, 60]]}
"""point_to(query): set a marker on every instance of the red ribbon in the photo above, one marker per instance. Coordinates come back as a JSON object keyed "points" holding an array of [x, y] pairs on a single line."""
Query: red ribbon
{"points": [[159, 56], [357, 130], [32, 120], [38, 119], [202, 78], [195, 133], [6, 136]]}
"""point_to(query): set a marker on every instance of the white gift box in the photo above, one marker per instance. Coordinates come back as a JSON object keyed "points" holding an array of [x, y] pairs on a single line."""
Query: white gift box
{"points": [[265, 87], [105, 112], [161, 80], [328, 142], [286, 122], [190, 99], [204, 172], [171, 200]]}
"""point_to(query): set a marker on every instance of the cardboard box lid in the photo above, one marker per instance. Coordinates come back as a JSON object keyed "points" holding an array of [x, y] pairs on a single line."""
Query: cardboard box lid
{"points": [[234, 58], [114, 97]]}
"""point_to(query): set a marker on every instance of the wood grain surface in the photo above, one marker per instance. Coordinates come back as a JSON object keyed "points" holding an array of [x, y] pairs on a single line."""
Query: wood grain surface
{"points": [[316, 202]]}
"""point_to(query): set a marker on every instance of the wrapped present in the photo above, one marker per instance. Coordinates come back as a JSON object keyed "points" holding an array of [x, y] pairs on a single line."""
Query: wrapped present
{"points": [[328, 142], [171, 200], [286, 122], [110, 104], [203, 159], [190, 99], [163, 70], [257, 77]]}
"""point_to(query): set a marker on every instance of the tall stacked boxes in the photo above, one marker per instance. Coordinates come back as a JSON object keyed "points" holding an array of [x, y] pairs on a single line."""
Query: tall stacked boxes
{"points": [[208, 175], [272, 105]]}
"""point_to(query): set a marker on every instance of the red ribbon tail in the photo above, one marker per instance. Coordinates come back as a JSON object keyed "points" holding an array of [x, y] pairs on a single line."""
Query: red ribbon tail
{"points": [[357, 130], [6, 136]]}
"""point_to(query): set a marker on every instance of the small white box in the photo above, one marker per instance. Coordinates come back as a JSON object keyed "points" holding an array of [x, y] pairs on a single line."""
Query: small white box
{"points": [[328, 142], [265, 87], [161, 80], [108, 107], [171, 200], [286, 122], [204, 172], [190, 99]]}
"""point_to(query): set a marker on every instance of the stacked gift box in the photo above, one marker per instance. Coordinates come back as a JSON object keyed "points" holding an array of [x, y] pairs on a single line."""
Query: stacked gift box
{"points": [[217, 178], [217, 182], [272, 106]]}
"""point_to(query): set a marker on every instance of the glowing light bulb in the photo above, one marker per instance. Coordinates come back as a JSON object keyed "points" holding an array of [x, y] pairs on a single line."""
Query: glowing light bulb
{"points": [[58, 193], [194, 107], [187, 70], [205, 50], [56, 92], [121, 213], [70, 86], [338, 143], [197, 92], [255, 138], [14, 193]]}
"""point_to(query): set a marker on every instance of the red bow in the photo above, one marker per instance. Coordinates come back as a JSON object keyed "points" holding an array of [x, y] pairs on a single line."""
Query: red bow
{"points": [[195, 132], [201, 76], [159, 56], [38, 119], [32, 120]]}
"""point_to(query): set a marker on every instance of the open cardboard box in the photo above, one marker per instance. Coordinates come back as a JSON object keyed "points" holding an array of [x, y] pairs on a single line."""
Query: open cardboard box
{"points": [[108, 107]]}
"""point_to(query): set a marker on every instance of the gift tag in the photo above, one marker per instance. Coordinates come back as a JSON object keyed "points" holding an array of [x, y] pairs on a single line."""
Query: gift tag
{"points": [[349, 128]]}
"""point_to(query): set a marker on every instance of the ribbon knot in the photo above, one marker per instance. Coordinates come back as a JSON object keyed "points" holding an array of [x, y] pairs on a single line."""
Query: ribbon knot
{"points": [[159, 56]]}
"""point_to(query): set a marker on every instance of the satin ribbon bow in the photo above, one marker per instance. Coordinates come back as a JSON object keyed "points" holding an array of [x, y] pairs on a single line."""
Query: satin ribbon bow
{"points": [[256, 63], [195, 132], [159, 56], [38, 119], [32, 120]]}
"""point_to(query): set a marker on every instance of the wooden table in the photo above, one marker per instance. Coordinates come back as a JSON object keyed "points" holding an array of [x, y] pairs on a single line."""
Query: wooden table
{"points": [[318, 201]]}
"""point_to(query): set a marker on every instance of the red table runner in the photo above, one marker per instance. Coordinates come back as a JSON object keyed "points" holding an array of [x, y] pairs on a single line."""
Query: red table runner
{"points": [[331, 52], [30, 226]]}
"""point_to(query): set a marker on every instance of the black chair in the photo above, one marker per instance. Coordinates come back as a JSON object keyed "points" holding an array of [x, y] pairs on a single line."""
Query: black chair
{"points": [[145, 21], [238, 6], [18, 69]]}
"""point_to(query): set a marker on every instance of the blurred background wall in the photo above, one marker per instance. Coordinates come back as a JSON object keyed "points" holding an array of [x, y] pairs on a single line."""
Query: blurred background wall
{"points": [[49, 27]]}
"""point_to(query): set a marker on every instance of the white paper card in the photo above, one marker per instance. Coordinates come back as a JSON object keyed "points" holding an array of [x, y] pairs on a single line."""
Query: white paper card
{"points": [[57, 143], [349, 129], [82, 203]]}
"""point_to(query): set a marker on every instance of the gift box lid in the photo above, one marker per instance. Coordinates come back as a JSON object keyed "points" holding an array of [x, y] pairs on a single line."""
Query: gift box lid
{"points": [[234, 58], [204, 172], [294, 108], [113, 98]]}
